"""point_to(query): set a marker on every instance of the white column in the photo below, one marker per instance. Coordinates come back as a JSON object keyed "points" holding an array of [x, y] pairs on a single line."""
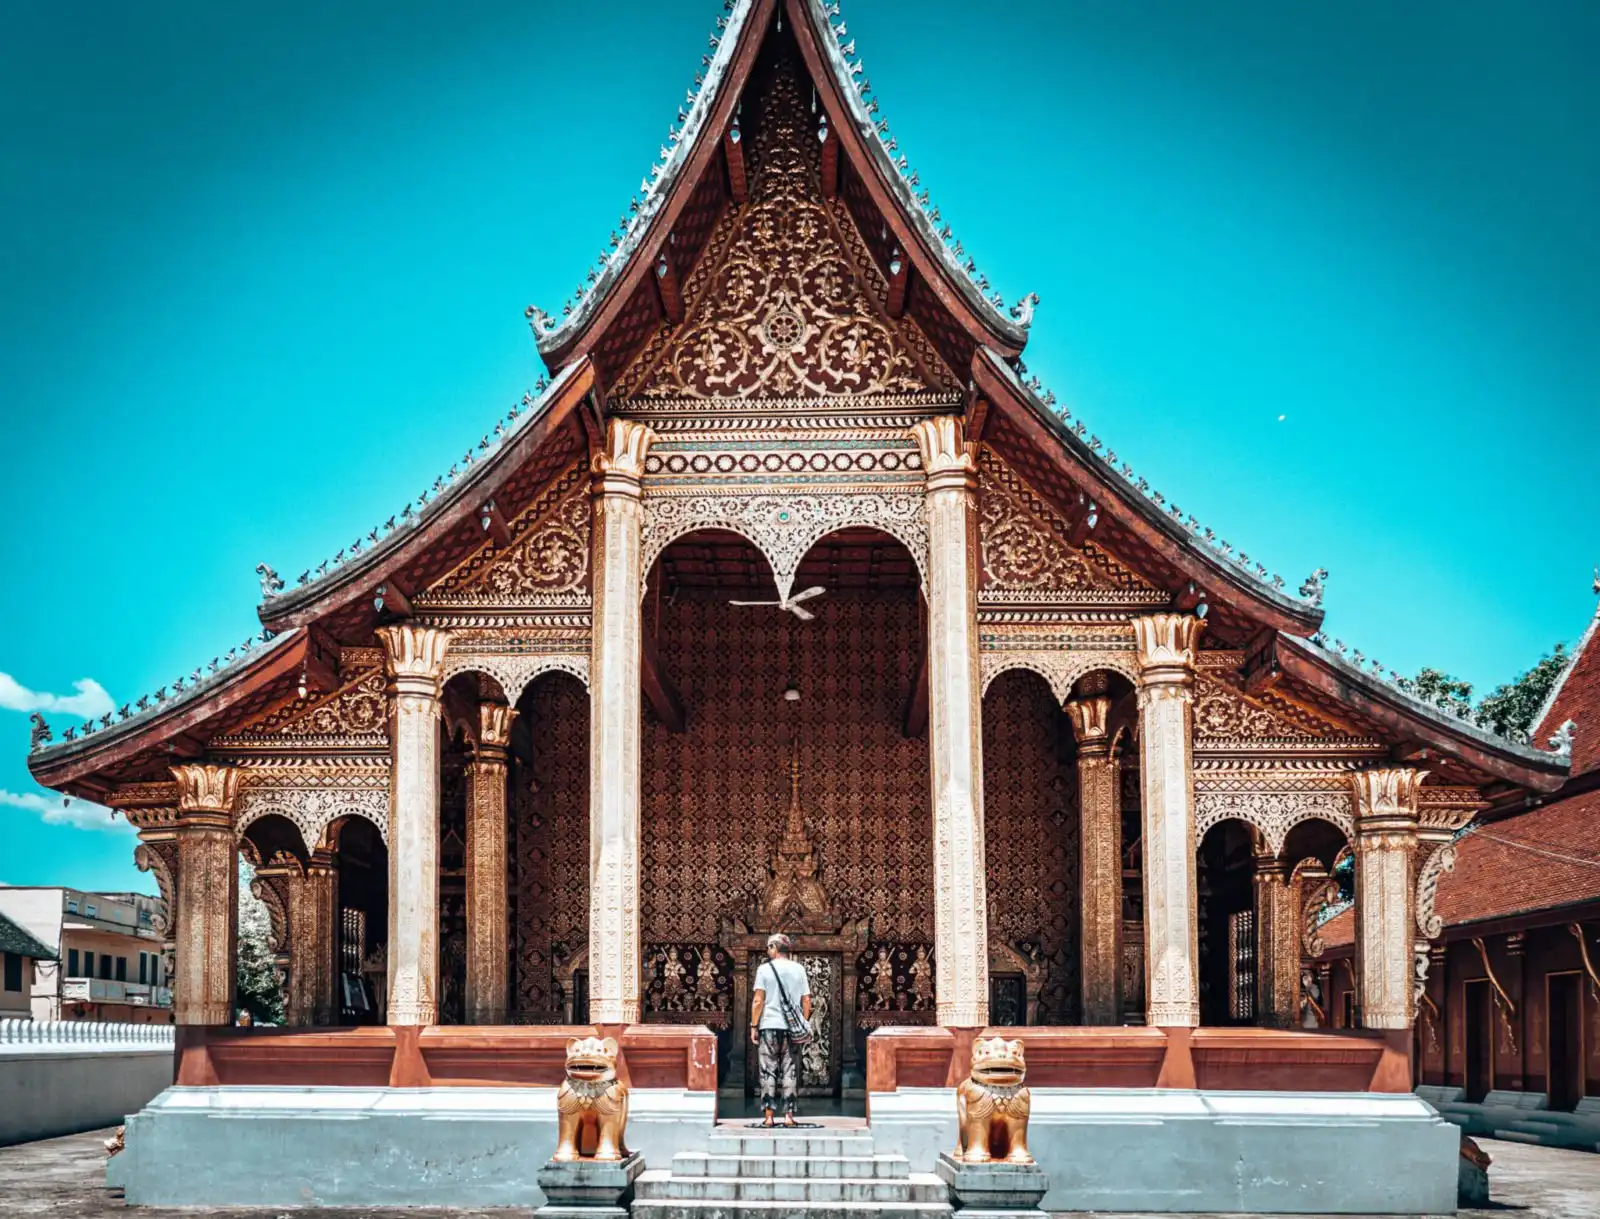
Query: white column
{"points": [[1385, 850], [616, 705], [488, 905], [208, 895], [955, 733], [1166, 738], [416, 660]]}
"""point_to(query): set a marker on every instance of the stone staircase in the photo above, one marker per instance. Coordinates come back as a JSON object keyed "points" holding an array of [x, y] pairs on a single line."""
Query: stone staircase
{"points": [[805, 1174]]}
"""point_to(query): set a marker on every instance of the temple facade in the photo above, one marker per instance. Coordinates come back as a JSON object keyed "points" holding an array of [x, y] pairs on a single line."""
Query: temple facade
{"points": [[792, 602]]}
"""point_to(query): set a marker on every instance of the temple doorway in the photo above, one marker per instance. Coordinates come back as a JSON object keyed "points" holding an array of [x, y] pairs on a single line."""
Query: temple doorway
{"points": [[796, 799], [361, 933]]}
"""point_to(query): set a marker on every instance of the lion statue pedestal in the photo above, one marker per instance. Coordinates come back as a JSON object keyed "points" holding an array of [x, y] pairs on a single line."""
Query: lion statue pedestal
{"points": [[592, 1172], [991, 1168]]}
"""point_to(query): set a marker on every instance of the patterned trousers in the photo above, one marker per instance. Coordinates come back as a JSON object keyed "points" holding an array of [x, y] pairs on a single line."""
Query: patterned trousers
{"points": [[779, 1068]]}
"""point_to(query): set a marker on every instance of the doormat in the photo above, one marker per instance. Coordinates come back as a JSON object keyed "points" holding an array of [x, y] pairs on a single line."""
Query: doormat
{"points": [[760, 1125]]}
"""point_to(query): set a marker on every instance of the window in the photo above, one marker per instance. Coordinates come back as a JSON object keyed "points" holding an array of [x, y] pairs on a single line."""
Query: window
{"points": [[72, 962], [89, 909], [122, 969], [144, 966], [72, 905], [105, 966], [1242, 966], [13, 971]]}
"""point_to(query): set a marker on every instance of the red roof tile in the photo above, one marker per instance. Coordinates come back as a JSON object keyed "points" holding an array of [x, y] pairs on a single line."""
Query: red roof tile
{"points": [[1578, 699]]}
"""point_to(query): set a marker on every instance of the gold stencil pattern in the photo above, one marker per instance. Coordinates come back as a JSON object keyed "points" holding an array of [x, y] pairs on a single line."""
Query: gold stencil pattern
{"points": [[778, 305], [715, 796], [1030, 814]]}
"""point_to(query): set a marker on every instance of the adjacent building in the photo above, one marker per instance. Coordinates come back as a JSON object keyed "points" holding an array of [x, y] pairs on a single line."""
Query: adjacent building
{"points": [[21, 955], [1508, 1024], [102, 954]]}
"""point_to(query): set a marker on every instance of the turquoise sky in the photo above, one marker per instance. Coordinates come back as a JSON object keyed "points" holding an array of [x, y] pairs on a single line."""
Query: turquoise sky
{"points": [[1325, 274]]}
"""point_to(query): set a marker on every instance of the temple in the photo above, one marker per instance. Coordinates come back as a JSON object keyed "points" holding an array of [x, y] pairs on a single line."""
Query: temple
{"points": [[792, 602]]}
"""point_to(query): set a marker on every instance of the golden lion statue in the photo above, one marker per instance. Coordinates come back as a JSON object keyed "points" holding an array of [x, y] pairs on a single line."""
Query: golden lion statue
{"points": [[592, 1103], [992, 1105]]}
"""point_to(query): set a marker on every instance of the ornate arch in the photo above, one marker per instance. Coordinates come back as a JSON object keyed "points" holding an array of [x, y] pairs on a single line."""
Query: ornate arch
{"points": [[785, 527], [1273, 812], [1440, 860], [516, 673], [1062, 669], [312, 809], [148, 859]]}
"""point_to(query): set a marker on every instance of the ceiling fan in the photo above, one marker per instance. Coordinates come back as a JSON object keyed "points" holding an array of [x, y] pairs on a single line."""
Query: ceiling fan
{"points": [[792, 604]]}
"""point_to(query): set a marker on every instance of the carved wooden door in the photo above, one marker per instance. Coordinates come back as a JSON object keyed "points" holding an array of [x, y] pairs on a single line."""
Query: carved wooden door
{"points": [[820, 1061]]}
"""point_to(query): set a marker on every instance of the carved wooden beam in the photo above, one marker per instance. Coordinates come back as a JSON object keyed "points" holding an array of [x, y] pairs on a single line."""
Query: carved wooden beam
{"points": [[668, 286], [391, 599], [659, 691], [320, 663], [917, 705], [899, 276], [977, 414], [1261, 668], [495, 524], [738, 175], [1084, 517]]}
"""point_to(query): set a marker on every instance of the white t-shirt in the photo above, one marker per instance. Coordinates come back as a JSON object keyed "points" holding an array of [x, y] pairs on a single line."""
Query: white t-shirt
{"points": [[795, 985]]}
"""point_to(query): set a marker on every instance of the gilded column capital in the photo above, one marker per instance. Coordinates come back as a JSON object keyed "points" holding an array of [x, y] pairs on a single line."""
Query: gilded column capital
{"points": [[1386, 799], [206, 792], [947, 458], [494, 730], [414, 653], [1091, 724], [1167, 644], [618, 462]]}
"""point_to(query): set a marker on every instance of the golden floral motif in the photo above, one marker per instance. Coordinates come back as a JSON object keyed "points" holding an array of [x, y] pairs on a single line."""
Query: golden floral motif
{"points": [[777, 305]]}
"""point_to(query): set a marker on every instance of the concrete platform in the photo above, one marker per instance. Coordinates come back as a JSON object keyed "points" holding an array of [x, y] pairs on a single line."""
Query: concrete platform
{"points": [[1173, 1151], [63, 1178], [367, 1147]]}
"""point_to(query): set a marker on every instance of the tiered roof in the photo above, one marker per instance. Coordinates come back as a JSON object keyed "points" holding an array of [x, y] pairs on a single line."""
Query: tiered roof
{"points": [[621, 307]]}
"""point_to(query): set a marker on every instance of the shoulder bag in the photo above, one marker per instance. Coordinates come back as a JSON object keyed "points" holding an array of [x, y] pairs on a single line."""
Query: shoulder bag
{"points": [[800, 1030]]}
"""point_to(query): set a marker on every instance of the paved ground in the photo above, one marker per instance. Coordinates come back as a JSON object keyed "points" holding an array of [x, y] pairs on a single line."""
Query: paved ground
{"points": [[63, 1179]]}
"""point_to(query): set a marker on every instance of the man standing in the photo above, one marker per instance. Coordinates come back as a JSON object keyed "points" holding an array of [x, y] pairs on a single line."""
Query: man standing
{"points": [[780, 1006]]}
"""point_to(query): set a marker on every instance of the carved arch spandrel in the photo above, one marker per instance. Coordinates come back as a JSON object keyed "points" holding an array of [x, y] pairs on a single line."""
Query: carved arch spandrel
{"points": [[160, 860], [1273, 808], [516, 673], [312, 807], [1061, 669], [784, 527]]}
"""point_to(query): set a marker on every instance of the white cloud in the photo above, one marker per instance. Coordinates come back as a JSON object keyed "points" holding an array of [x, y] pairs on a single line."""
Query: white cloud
{"points": [[63, 810], [91, 700]]}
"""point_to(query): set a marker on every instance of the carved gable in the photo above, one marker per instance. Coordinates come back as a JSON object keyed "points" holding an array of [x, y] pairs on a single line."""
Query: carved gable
{"points": [[1027, 554], [357, 712], [786, 301], [1223, 712], [546, 563]]}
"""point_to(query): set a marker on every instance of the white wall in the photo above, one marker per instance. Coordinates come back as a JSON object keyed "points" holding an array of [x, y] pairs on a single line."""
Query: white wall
{"points": [[61, 1077]]}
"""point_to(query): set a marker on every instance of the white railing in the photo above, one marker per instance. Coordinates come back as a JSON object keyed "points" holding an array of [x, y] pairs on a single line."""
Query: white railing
{"points": [[50, 1035]]}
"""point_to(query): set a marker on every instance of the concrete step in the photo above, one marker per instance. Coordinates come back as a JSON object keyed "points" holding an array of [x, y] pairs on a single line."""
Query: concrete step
{"points": [[710, 1164], [678, 1208], [761, 1143], [814, 1190]]}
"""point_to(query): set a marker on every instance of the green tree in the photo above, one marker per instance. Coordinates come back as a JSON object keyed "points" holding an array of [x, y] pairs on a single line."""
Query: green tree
{"points": [[259, 987], [1511, 708], [1438, 688]]}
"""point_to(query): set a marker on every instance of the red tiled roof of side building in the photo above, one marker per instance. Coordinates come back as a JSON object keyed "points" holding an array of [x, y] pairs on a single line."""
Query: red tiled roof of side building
{"points": [[1544, 859], [1340, 930], [1577, 698]]}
